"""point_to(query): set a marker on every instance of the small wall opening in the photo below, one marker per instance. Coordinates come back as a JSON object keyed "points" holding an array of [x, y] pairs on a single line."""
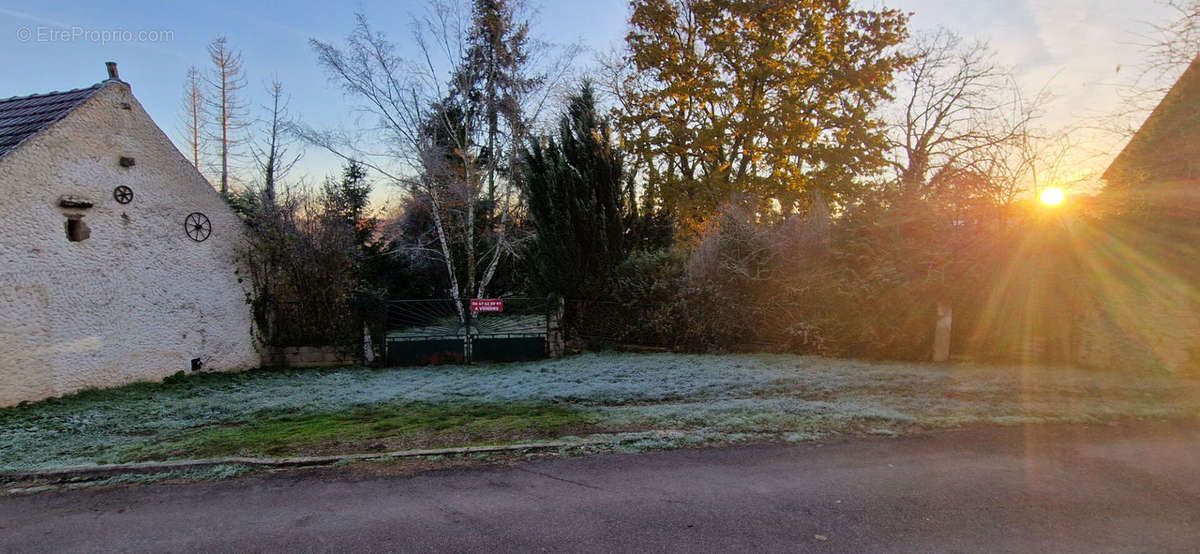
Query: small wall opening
{"points": [[77, 230]]}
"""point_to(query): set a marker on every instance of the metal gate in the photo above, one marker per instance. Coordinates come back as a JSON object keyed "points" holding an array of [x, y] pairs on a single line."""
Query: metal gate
{"points": [[443, 331]]}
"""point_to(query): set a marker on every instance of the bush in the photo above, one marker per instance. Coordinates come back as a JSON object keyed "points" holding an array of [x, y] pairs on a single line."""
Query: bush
{"points": [[732, 292], [644, 305], [866, 285], [303, 255]]}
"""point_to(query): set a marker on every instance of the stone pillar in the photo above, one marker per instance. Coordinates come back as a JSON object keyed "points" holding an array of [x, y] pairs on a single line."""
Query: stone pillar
{"points": [[368, 348], [556, 344], [941, 333]]}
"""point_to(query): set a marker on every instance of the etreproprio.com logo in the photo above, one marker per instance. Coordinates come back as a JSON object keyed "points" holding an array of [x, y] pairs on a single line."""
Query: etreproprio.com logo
{"points": [[45, 33]]}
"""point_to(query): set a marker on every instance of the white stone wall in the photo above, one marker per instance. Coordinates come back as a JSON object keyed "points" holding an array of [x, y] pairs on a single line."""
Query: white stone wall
{"points": [[1155, 328], [138, 299]]}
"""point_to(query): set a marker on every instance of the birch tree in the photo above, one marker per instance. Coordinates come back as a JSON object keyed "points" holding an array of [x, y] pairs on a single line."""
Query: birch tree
{"points": [[497, 60], [434, 135]]}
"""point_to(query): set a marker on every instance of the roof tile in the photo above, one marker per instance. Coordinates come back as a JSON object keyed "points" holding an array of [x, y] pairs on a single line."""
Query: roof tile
{"points": [[22, 117]]}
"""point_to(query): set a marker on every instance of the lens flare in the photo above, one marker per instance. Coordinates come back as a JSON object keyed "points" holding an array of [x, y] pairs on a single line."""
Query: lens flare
{"points": [[1053, 196]]}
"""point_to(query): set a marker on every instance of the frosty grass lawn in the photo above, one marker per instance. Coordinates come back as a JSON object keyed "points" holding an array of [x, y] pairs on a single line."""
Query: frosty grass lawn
{"points": [[697, 398]]}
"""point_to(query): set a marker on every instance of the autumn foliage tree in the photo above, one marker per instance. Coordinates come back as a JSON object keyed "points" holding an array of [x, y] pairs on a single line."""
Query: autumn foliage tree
{"points": [[765, 103]]}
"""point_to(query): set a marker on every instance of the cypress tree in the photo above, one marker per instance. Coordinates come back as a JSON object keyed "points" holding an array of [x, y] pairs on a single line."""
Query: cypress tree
{"points": [[573, 186]]}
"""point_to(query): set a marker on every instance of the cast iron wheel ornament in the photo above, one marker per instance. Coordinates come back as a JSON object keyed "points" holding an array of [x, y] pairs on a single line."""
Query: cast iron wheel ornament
{"points": [[123, 194], [197, 226]]}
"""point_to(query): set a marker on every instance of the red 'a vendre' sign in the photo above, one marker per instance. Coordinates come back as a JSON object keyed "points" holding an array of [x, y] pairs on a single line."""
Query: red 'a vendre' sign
{"points": [[487, 305]]}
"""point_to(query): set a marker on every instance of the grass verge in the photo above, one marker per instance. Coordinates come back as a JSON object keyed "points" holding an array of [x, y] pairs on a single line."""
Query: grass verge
{"points": [[371, 428], [703, 399]]}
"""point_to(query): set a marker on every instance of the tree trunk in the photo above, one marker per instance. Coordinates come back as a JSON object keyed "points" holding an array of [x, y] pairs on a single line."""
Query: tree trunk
{"points": [[441, 232], [224, 134], [491, 269]]}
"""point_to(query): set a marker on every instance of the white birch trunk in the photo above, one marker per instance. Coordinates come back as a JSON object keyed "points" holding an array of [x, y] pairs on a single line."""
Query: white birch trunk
{"points": [[441, 232], [491, 269]]}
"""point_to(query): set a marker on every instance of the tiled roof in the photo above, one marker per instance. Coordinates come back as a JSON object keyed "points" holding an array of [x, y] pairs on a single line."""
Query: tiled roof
{"points": [[22, 117]]}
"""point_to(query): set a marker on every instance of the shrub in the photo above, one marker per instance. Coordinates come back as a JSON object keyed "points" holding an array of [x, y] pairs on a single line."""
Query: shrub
{"points": [[303, 256], [644, 305], [866, 285]]}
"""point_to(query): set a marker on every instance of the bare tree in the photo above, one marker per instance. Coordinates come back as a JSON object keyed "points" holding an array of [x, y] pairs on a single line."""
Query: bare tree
{"points": [[1031, 162], [1169, 47], [499, 55], [1174, 44], [619, 80], [432, 135], [225, 107], [960, 137], [271, 153], [419, 132], [949, 108], [193, 110]]}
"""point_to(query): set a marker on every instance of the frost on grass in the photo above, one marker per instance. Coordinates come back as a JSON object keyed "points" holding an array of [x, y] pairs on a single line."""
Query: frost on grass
{"points": [[721, 395], [212, 473], [764, 414], [642, 441]]}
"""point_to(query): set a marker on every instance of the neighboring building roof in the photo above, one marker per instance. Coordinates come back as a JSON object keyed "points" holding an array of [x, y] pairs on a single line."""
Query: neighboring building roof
{"points": [[1167, 146], [22, 117]]}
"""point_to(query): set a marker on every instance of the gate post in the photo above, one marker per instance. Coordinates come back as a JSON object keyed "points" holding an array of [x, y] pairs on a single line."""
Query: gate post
{"points": [[941, 332], [555, 345]]}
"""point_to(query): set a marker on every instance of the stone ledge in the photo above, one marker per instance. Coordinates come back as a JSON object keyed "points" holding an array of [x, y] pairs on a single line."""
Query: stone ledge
{"points": [[310, 356], [59, 474]]}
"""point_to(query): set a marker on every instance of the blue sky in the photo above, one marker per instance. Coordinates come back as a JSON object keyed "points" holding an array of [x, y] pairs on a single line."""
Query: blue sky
{"points": [[1075, 45]]}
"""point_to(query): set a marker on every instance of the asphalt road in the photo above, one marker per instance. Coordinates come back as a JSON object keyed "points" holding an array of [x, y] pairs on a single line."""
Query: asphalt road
{"points": [[1128, 488]]}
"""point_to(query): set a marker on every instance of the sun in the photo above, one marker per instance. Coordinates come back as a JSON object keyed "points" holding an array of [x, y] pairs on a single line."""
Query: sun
{"points": [[1053, 196]]}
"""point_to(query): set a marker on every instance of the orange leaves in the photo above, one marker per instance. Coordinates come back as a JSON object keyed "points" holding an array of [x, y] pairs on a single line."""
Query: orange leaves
{"points": [[760, 98]]}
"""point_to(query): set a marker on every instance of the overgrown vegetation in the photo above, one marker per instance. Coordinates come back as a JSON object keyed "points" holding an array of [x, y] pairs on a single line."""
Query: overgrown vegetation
{"points": [[305, 255], [583, 206], [821, 178]]}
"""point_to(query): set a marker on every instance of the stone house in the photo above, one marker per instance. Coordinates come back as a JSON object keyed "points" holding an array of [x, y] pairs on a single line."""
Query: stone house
{"points": [[1145, 311], [1164, 150], [117, 258]]}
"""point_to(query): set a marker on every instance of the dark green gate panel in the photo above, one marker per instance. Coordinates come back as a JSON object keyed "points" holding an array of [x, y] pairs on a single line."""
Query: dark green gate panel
{"points": [[425, 352], [514, 349], [435, 331]]}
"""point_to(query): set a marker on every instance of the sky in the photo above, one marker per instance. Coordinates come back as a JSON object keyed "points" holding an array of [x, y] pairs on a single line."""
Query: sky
{"points": [[1070, 47]]}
